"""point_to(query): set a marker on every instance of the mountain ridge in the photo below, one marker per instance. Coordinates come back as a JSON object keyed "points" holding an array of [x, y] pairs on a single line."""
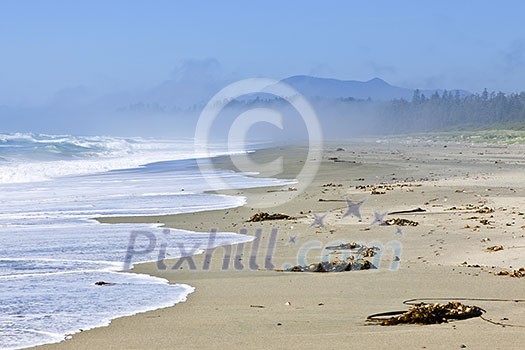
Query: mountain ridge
{"points": [[376, 88]]}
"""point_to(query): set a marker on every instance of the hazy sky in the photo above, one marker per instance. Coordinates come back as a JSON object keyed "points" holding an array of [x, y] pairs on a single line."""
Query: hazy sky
{"points": [[129, 45]]}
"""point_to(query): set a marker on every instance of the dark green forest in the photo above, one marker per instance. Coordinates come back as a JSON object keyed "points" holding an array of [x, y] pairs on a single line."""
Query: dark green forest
{"points": [[442, 111], [450, 111]]}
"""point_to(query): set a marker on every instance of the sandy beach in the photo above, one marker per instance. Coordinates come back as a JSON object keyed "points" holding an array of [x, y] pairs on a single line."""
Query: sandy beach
{"points": [[472, 196]]}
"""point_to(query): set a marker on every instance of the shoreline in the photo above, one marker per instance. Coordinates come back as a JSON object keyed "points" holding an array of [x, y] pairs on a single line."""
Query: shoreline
{"points": [[303, 308]]}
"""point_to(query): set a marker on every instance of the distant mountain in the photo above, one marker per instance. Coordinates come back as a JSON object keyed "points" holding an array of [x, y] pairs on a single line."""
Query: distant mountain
{"points": [[375, 89], [173, 95]]}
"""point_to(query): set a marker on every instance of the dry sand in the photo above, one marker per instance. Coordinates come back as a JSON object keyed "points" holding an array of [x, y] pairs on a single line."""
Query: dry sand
{"points": [[249, 308]]}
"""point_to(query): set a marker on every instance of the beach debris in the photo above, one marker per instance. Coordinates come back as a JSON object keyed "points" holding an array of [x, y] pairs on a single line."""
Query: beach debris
{"points": [[288, 303], [381, 188], [516, 273], [351, 245], [476, 208], [289, 189], [485, 222], [470, 265], [494, 248], [364, 251], [263, 216], [296, 268], [331, 184], [258, 306], [368, 252], [340, 149], [102, 283], [424, 314], [378, 192], [337, 160], [400, 222], [416, 210], [334, 266]]}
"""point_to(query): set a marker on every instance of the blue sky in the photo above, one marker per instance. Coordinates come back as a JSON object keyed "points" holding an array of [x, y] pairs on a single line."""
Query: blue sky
{"points": [[131, 45]]}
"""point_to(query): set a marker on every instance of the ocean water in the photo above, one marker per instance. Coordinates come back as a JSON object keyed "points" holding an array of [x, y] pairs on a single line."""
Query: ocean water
{"points": [[52, 251]]}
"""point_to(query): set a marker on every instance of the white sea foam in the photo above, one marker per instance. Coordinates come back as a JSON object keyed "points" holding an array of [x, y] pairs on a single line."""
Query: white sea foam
{"points": [[51, 250], [35, 157]]}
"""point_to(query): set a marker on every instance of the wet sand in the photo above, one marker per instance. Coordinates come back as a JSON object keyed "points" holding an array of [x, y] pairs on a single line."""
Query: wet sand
{"points": [[247, 304]]}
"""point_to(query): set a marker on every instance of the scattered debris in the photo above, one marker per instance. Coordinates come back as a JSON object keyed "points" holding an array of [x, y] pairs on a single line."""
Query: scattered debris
{"points": [[428, 314], [400, 222], [258, 306], [334, 266], [484, 222], [473, 265], [344, 161], [263, 216], [363, 251], [374, 191], [516, 273], [476, 208], [485, 210], [383, 187], [102, 283], [289, 189], [368, 252], [417, 210], [494, 248], [352, 245], [332, 185]]}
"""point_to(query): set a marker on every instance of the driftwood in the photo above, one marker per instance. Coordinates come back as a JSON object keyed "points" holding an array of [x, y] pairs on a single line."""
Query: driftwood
{"points": [[417, 210]]}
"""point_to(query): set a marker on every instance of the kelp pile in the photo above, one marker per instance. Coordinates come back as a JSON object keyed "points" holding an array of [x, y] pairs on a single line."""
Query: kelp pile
{"points": [[334, 266], [263, 216], [425, 314], [352, 263]]}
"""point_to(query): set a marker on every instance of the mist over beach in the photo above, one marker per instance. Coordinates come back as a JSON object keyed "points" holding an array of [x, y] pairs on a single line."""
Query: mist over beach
{"points": [[274, 175]]}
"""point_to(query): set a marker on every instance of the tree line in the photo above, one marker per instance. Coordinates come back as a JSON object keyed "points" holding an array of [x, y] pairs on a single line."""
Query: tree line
{"points": [[450, 110]]}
